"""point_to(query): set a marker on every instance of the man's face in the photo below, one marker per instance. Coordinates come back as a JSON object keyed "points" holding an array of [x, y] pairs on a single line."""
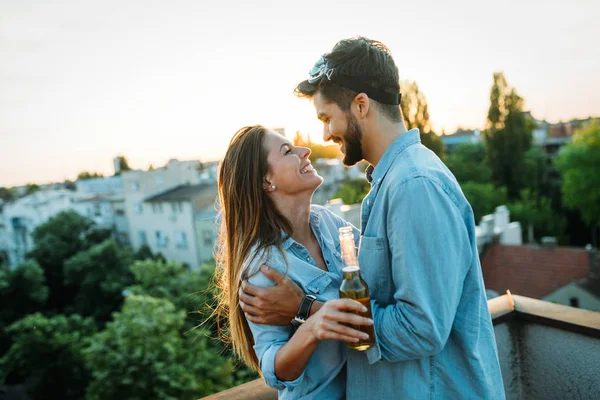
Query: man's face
{"points": [[340, 127]]}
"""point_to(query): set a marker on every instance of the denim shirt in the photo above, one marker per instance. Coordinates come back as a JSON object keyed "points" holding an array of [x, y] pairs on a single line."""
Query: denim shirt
{"points": [[324, 376], [417, 253]]}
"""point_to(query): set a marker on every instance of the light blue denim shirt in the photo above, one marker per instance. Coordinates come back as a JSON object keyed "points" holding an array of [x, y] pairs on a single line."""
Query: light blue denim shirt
{"points": [[324, 377], [435, 338]]}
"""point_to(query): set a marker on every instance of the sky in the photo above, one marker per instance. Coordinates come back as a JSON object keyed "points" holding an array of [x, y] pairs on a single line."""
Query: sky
{"points": [[84, 81]]}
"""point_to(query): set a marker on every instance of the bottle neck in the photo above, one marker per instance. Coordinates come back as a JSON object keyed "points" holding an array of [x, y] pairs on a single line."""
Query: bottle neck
{"points": [[351, 273]]}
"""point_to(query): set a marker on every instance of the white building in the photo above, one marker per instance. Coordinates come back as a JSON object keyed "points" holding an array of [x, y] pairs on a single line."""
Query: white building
{"points": [[164, 207], [21, 217], [99, 199], [179, 223]]}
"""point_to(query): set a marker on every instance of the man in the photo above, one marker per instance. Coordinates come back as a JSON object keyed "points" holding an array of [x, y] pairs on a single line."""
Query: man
{"points": [[417, 250]]}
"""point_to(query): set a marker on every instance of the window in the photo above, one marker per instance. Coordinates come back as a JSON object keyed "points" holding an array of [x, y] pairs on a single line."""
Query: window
{"points": [[139, 208], [120, 212], [181, 240], [135, 186], [161, 239], [174, 208], [97, 212], [180, 207], [208, 238], [142, 238]]}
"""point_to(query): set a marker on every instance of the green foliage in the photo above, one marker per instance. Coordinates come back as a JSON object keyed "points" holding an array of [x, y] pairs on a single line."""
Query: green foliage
{"points": [[508, 136], [539, 214], [99, 274], [57, 240], [7, 194], [31, 188], [483, 197], [187, 290], [468, 163], [416, 115], [47, 353], [88, 175], [142, 354], [579, 164], [353, 191], [22, 291], [317, 150]]}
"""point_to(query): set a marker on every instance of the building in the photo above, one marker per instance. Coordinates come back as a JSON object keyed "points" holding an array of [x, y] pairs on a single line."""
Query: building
{"points": [[459, 137], [181, 224], [21, 217], [163, 208]]}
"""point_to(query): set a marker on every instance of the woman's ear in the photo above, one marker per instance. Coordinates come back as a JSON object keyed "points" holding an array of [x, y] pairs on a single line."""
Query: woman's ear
{"points": [[268, 186]]}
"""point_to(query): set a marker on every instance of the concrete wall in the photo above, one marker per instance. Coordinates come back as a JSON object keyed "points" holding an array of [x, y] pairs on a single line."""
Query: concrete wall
{"points": [[541, 362]]}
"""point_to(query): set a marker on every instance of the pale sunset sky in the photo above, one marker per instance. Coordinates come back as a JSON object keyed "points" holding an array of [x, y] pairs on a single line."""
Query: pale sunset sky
{"points": [[83, 81]]}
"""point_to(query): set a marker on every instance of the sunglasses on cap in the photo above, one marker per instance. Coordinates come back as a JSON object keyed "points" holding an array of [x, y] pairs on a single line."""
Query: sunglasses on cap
{"points": [[321, 69]]}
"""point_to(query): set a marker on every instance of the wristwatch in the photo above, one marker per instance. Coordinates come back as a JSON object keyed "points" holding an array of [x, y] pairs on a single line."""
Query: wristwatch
{"points": [[303, 312]]}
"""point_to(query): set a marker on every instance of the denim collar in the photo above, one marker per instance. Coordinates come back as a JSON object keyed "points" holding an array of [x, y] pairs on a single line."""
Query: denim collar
{"points": [[376, 174], [314, 223]]}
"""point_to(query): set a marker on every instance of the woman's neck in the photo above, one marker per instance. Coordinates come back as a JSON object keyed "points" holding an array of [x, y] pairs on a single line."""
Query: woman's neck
{"points": [[297, 210]]}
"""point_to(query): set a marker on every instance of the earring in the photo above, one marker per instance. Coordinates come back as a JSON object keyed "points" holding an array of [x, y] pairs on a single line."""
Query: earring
{"points": [[273, 187]]}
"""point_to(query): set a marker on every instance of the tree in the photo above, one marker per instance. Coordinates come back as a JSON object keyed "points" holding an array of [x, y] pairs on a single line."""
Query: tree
{"points": [[123, 165], [508, 137], [416, 115], [22, 291], [55, 241], [46, 355], [31, 188], [142, 354], [484, 198], [468, 163], [536, 213], [88, 175], [353, 191], [317, 150], [99, 274], [7, 194], [579, 165]]}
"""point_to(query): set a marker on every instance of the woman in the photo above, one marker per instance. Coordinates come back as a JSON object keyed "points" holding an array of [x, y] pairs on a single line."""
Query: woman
{"points": [[265, 188]]}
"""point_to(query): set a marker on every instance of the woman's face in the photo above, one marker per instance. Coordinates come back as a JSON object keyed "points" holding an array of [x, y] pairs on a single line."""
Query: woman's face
{"points": [[290, 169]]}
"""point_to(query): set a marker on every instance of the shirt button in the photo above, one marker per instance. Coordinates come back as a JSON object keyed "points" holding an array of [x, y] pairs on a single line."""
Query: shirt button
{"points": [[327, 261], [307, 258]]}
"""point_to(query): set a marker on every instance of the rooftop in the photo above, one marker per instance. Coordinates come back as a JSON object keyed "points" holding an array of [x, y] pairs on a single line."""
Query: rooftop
{"points": [[546, 351], [185, 192], [533, 271]]}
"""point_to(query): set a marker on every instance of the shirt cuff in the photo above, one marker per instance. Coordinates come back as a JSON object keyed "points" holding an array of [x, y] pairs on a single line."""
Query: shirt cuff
{"points": [[267, 367]]}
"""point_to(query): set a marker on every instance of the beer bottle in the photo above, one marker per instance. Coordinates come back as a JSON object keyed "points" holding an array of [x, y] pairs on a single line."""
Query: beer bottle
{"points": [[353, 287]]}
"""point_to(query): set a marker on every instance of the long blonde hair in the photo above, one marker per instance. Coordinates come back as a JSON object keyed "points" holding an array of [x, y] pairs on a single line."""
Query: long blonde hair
{"points": [[250, 224]]}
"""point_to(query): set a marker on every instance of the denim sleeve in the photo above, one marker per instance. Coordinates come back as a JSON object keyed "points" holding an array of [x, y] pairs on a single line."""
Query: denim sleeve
{"points": [[267, 341], [430, 256]]}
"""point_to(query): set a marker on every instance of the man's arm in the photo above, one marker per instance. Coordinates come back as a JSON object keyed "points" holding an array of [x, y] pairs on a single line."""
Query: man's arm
{"points": [[274, 305], [430, 255]]}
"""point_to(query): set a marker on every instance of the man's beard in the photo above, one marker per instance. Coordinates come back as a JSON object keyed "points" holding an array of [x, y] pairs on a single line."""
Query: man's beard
{"points": [[352, 140]]}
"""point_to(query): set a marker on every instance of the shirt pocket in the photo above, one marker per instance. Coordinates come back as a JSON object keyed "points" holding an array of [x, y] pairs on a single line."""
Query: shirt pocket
{"points": [[319, 284], [374, 264]]}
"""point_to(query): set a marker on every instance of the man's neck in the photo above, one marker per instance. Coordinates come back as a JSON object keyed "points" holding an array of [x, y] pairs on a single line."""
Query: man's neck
{"points": [[380, 137]]}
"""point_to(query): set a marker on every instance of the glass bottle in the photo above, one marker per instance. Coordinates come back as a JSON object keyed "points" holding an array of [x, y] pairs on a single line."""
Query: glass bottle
{"points": [[354, 287]]}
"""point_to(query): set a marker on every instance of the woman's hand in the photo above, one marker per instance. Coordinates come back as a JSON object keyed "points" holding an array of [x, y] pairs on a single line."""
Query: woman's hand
{"points": [[329, 322]]}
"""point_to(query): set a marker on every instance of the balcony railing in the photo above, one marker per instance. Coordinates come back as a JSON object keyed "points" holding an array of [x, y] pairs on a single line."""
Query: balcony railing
{"points": [[546, 351]]}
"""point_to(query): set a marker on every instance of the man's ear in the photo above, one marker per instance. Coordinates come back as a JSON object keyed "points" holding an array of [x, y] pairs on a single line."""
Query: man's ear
{"points": [[361, 105]]}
